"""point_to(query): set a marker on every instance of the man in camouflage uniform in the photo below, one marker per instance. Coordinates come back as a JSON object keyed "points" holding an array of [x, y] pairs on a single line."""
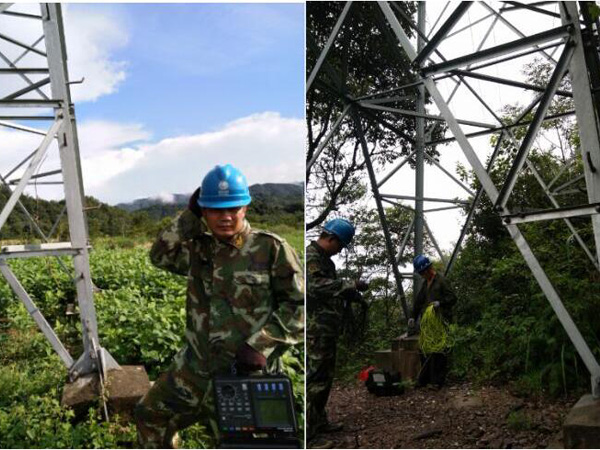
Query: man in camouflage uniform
{"points": [[326, 294], [244, 304], [436, 291]]}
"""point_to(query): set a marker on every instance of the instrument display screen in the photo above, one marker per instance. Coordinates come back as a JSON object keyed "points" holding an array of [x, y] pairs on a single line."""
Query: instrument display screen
{"points": [[273, 413], [378, 378]]}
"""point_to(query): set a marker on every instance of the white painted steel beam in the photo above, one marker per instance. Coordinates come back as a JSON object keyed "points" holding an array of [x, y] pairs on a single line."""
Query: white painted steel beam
{"points": [[35, 313]]}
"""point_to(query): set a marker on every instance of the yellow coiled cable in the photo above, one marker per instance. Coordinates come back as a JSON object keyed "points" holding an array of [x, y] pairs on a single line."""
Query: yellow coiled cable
{"points": [[434, 336]]}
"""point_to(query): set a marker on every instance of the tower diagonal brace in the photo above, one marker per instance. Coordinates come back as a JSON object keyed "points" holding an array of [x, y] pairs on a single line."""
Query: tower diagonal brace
{"points": [[384, 225], [490, 189]]}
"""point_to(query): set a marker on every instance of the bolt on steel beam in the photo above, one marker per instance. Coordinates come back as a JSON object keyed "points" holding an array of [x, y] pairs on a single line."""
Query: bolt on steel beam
{"points": [[551, 214]]}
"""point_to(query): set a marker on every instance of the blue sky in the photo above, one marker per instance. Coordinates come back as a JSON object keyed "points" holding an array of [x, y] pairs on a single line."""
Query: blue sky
{"points": [[171, 90], [193, 67]]}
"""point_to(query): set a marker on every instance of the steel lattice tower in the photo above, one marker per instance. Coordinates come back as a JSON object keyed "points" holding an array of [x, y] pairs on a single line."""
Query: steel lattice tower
{"points": [[36, 86], [575, 39]]}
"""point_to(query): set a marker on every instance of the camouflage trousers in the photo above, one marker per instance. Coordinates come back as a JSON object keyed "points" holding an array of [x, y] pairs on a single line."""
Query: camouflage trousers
{"points": [[321, 353], [179, 398]]}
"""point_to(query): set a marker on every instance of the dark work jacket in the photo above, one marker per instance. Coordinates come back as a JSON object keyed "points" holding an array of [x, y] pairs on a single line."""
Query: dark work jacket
{"points": [[439, 291], [324, 294]]}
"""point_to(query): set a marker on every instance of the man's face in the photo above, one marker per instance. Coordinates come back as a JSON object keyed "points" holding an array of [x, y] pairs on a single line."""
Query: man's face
{"points": [[427, 273], [336, 245], [226, 222], [331, 245]]}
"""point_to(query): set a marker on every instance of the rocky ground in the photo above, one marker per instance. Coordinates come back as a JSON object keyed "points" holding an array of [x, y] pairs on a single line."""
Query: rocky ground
{"points": [[456, 416]]}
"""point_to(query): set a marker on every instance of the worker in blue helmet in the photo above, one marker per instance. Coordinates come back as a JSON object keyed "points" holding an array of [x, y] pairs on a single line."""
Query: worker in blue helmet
{"points": [[326, 298], [342, 229], [244, 305], [436, 291]]}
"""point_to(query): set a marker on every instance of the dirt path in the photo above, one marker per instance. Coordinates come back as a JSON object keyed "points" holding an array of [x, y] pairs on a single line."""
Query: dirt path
{"points": [[456, 416]]}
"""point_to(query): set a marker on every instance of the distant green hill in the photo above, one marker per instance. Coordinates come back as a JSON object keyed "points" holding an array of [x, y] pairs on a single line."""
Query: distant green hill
{"points": [[271, 203], [269, 199]]}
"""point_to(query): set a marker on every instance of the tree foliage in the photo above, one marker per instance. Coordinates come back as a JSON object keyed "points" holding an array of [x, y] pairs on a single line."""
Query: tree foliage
{"points": [[507, 330], [364, 60]]}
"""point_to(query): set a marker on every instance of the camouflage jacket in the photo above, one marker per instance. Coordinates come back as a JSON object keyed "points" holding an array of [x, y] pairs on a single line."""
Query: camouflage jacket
{"points": [[325, 292], [440, 291], [250, 289]]}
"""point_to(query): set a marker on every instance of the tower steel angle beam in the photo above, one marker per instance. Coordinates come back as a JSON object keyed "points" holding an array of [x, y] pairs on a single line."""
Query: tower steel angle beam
{"points": [[587, 118], [422, 115], [510, 136], [435, 40], [384, 225], [514, 29], [561, 171], [551, 214], [18, 127], [425, 199], [36, 314], [420, 128], [404, 242], [73, 187], [492, 192], [531, 8], [396, 169], [12, 65], [434, 241], [502, 128], [513, 83], [33, 165], [452, 177], [332, 36], [439, 17], [535, 126], [472, 208], [499, 50], [33, 87]]}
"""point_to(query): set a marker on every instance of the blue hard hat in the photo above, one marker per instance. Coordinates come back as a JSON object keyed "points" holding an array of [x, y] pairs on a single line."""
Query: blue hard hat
{"points": [[341, 228], [224, 187], [421, 263]]}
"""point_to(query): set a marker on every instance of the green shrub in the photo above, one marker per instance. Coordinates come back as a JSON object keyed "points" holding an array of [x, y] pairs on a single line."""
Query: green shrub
{"points": [[519, 421], [141, 320]]}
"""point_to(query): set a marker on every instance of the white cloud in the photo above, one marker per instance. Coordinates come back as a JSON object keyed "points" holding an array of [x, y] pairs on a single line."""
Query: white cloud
{"points": [[266, 147], [106, 150], [165, 197], [92, 35], [99, 136], [119, 164]]}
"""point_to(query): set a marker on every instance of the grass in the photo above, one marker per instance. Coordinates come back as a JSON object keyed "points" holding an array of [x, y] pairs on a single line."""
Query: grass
{"points": [[134, 296], [519, 421]]}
